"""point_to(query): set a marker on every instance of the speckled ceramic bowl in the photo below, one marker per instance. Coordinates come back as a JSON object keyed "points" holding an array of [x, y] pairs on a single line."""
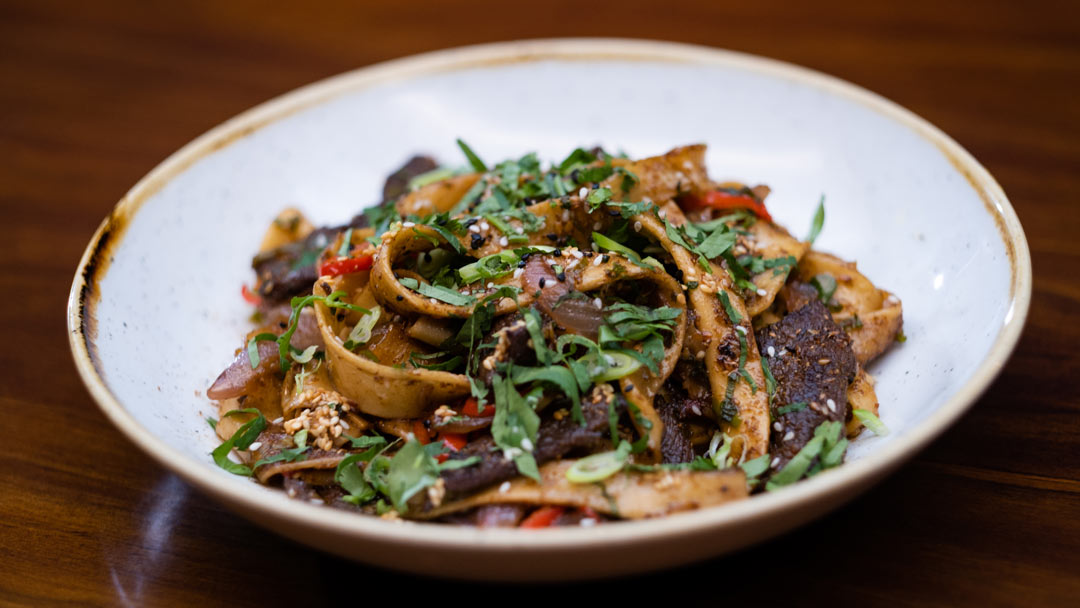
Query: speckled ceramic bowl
{"points": [[154, 312]]}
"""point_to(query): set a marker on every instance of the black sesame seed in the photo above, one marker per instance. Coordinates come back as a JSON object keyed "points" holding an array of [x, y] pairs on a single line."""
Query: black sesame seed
{"points": [[561, 277], [558, 253], [400, 298], [553, 237], [542, 282]]}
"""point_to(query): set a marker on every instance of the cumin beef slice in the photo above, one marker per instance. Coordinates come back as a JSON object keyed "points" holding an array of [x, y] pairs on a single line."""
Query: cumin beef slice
{"points": [[512, 345], [677, 409], [290, 271], [554, 439], [813, 363]]}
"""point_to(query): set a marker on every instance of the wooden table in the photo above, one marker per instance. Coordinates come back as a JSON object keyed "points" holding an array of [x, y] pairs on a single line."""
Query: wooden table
{"points": [[96, 94]]}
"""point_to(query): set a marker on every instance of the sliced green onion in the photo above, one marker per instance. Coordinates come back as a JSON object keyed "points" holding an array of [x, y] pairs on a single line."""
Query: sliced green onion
{"points": [[598, 467], [435, 175], [438, 292], [611, 366], [872, 422], [362, 332]]}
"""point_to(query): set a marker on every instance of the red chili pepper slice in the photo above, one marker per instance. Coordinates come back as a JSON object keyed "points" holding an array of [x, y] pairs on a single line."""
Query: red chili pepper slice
{"points": [[472, 409], [722, 199], [420, 432], [453, 442], [250, 296], [542, 517], [339, 266]]}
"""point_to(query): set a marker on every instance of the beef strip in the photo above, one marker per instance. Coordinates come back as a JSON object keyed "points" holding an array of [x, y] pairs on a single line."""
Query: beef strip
{"points": [[554, 439], [677, 410], [290, 271], [813, 363], [511, 339]]}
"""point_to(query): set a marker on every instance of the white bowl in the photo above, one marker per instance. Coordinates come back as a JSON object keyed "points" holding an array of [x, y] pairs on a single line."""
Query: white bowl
{"points": [[154, 312]]}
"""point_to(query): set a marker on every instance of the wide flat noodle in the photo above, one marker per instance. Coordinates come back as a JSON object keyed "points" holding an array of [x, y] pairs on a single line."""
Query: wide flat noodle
{"points": [[629, 495], [872, 317]]}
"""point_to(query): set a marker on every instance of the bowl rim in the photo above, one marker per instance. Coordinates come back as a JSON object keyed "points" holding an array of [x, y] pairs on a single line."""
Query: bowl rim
{"points": [[269, 504]]}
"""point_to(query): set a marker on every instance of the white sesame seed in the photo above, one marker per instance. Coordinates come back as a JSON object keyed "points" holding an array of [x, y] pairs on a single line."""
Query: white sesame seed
{"points": [[583, 192], [279, 420], [577, 254], [637, 226], [255, 446], [517, 272], [597, 302], [490, 285], [740, 329], [433, 300], [831, 404], [504, 488], [344, 425], [596, 226], [700, 354], [762, 292], [772, 351], [573, 264], [474, 228], [662, 214], [526, 444], [519, 230], [790, 435], [597, 261], [777, 426], [566, 216], [407, 224], [697, 410], [484, 225], [587, 522], [503, 242], [775, 461]]}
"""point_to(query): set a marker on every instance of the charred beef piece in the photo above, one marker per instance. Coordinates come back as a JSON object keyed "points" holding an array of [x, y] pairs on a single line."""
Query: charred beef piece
{"points": [[398, 182], [290, 269], [677, 409], [554, 439], [811, 358], [511, 345]]}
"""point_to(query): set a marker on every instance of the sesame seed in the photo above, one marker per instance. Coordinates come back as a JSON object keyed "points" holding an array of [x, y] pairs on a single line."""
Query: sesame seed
{"points": [[700, 354], [519, 230], [433, 300], [255, 446], [772, 351], [596, 226], [517, 272], [762, 292], [597, 261], [577, 254], [485, 226], [526, 444], [597, 302], [775, 461], [637, 226], [474, 228], [503, 242], [697, 410], [662, 214], [490, 285], [278, 420], [790, 435], [777, 426], [740, 329], [831, 404], [583, 192], [566, 216], [407, 224], [504, 488], [344, 425]]}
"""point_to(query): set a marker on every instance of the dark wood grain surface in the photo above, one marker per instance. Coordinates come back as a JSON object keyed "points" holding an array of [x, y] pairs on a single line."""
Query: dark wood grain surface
{"points": [[93, 95]]}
